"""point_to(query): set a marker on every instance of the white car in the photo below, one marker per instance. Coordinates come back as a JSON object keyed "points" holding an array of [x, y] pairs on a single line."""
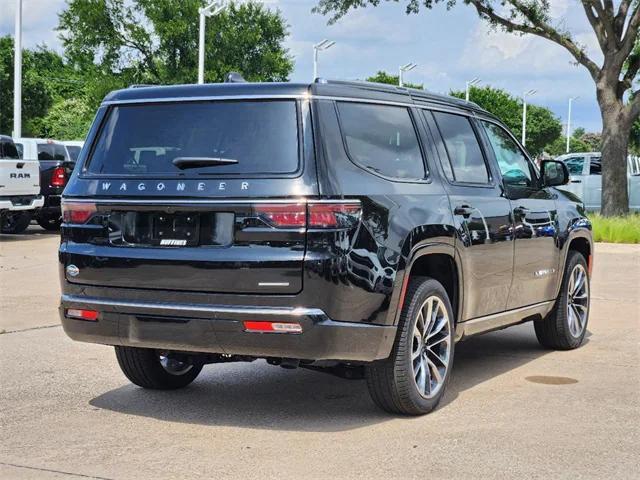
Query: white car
{"points": [[19, 188], [585, 170], [73, 148]]}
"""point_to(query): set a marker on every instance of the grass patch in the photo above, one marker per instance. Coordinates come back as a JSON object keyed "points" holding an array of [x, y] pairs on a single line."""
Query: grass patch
{"points": [[616, 229]]}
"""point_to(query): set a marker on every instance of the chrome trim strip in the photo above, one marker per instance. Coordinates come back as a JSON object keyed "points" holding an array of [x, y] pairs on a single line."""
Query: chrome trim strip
{"points": [[171, 201], [498, 320], [189, 307], [273, 284], [203, 98]]}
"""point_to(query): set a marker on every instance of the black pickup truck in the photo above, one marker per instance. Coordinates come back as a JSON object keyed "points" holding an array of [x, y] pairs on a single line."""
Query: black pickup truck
{"points": [[55, 170]]}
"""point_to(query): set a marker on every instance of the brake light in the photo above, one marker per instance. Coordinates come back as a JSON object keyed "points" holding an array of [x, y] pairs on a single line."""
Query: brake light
{"points": [[333, 215], [59, 177], [77, 213], [81, 314], [273, 327], [289, 215]]}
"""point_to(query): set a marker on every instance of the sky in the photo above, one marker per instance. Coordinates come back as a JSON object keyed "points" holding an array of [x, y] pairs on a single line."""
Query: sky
{"points": [[450, 47]]}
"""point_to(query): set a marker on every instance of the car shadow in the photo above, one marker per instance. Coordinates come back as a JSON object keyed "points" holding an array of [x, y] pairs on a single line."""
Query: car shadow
{"points": [[33, 232], [258, 395]]}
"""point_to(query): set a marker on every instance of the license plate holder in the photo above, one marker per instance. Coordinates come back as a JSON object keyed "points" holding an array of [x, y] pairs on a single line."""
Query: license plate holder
{"points": [[176, 230]]}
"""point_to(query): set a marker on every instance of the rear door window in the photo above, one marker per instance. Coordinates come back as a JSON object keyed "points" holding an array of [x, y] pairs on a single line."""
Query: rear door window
{"points": [[575, 165], [51, 151], [466, 161], [230, 137], [382, 139]]}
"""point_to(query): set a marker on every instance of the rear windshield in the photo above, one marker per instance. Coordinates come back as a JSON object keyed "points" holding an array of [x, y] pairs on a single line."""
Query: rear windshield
{"points": [[204, 138], [74, 151], [51, 151]]}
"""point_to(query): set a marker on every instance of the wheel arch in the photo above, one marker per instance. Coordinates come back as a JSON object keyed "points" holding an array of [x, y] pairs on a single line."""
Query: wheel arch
{"points": [[440, 262], [579, 240]]}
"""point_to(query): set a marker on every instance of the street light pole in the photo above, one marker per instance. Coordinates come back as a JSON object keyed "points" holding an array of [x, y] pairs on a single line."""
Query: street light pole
{"points": [[17, 74], [524, 114], [405, 68], [323, 45], [208, 11], [471, 83], [571, 99]]}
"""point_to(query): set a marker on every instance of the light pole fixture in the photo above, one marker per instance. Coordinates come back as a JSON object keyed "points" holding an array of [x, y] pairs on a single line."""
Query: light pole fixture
{"points": [[470, 84], [323, 45], [571, 99], [17, 73], [405, 68], [210, 10], [526, 94]]}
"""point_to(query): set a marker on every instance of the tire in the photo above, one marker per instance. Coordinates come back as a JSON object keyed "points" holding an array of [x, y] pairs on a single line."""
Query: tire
{"points": [[394, 382], [16, 222], [558, 329], [49, 221], [143, 367]]}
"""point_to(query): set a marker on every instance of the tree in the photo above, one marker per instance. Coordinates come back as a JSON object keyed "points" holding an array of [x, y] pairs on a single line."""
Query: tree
{"points": [[384, 77], [635, 138], [67, 120], [543, 127], [559, 146], [36, 98], [593, 140], [616, 77], [156, 41]]}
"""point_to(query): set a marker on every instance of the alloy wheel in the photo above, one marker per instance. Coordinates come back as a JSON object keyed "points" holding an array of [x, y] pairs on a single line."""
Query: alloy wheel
{"points": [[577, 300], [431, 347], [174, 364]]}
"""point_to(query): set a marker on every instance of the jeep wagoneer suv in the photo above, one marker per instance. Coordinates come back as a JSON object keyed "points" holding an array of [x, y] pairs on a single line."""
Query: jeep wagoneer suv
{"points": [[344, 226]]}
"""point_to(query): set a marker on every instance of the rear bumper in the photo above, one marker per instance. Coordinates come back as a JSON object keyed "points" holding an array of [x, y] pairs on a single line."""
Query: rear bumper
{"points": [[21, 202], [219, 329]]}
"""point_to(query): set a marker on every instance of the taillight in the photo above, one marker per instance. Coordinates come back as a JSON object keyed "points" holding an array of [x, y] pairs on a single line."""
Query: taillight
{"points": [[81, 314], [59, 177], [77, 213], [283, 215], [316, 215], [333, 215]]}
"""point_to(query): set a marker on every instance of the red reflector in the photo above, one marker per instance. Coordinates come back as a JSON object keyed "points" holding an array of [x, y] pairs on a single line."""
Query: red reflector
{"points": [[274, 327], [59, 177], [332, 215], [286, 215], [80, 314], [77, 213]]}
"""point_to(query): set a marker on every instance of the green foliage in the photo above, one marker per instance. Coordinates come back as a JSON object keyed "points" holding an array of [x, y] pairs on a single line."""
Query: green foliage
{"points": [[156, 41], [384, 77], [593, 140], [634, 140], [559, 146], [68, 120], [543, 127], [616, 229]]}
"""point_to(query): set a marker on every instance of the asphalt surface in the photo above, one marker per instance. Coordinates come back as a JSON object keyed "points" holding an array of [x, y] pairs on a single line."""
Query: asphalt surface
{"points": [[512, 410]]}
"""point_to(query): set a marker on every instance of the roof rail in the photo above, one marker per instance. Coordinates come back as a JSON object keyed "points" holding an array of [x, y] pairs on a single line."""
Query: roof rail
{"points": [[234, 77], [141, 85]]}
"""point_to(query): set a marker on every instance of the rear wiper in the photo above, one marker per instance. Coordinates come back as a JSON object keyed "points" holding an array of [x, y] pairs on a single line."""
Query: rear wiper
{"points": [[196, 162]]}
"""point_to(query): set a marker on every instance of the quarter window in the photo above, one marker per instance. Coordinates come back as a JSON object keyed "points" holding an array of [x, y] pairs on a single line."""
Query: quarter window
{"points": [[382, 139], [466, 162], [516, 170]]}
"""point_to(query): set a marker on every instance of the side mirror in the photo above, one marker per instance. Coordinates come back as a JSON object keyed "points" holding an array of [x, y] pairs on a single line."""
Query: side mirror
{"points": [[554, 173]]}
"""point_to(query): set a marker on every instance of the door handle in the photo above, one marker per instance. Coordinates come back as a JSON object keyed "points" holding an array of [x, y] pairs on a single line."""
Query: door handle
{"points": [[576, 181], [464, 210], [522, 211]]}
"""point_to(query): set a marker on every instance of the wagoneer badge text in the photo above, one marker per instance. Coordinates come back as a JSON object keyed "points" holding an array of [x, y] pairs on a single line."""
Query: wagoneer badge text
{"points": [[172, 186]]}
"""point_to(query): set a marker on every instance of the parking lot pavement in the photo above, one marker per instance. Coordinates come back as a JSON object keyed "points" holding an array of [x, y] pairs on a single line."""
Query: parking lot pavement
{"points": [[512, 409]]}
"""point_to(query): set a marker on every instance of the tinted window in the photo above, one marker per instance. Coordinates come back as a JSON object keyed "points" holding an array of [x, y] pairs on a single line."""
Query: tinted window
{"points": [[466, 160], [51, 151], [382, 139], [595, 167], [74, 151], [575, 165], [258, 136], [9, 150], [514, 166], [20, 149]]}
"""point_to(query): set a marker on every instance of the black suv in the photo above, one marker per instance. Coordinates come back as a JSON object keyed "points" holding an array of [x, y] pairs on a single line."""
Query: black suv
{"points": [[356, 228]]}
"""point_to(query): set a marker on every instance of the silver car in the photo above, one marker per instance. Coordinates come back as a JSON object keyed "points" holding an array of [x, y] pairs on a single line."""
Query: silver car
{"points": [[586, 179]]}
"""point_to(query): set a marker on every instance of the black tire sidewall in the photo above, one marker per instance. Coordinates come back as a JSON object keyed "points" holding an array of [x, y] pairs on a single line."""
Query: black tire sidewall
{"points": [[575, 258], [428, 287], [19, 222]]}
